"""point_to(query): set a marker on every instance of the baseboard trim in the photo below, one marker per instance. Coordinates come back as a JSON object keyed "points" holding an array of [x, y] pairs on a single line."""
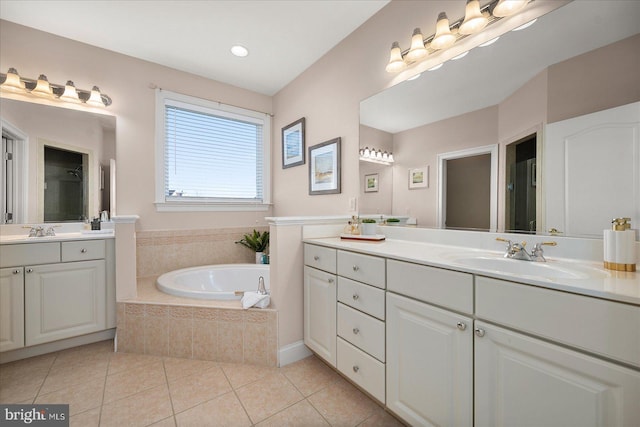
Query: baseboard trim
{"points": [[50, 347], [293, 352]]}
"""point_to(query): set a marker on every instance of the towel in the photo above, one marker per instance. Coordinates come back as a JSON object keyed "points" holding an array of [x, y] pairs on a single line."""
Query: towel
{"points": [[254, 299]]}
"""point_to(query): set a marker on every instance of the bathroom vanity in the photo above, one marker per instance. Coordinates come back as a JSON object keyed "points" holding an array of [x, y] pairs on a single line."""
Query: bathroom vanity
{"points": [[446, 335], [55, 289]]}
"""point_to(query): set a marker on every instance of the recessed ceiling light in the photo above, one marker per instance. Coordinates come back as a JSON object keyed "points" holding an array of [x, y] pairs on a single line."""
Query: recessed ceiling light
{"points": [[436, 67], [239, 51], [414, 77], [462, 55], [527, 25], [490, 42]]}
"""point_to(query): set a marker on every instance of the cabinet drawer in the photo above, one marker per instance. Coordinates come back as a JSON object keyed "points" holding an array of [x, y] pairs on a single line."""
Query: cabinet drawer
{"points": [[29, 254], [600, 326], [363, 268], [361, 297], [362, 369], [83, 250], [361, 330], [437, 286], [320, 257]]}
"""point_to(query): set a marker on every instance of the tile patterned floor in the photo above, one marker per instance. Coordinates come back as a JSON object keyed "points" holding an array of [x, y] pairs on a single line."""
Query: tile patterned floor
{"points": [[104, 388]]}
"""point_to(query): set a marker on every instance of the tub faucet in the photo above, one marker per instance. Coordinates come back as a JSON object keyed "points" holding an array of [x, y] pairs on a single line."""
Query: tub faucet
{"points": [[261, 289]]}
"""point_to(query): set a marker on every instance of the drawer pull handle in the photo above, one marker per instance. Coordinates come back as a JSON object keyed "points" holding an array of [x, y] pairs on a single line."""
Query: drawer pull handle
{"points": [[480, 332], [16, 271], [356, 369], [356, 268], [356, 331], [355, 297], [462, 326], [316, 258], [83, 250], [330, 280], [29, 270]]}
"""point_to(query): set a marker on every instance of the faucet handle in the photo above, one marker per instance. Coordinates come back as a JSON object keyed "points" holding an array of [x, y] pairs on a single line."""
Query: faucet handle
{"points": [[547, 244], [501, 239]]}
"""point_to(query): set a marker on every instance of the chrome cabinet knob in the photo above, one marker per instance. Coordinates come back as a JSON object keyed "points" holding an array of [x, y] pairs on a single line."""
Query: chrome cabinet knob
{"points": [[330, 280], [29, 270], [479, 332], [16, 271], [356, 268], [462, 326], [355, 297], [316, 258], [356, 331], [83, 250], [356, 369]]}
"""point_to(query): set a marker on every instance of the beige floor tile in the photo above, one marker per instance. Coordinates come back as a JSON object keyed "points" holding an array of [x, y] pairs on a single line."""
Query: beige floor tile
{"points": [[179, 368], [133, 381], [32, 366], [223, 411], [381, 419], [98, 350], [127, 361], [300, 414], [80, 398], [240, 375], [187, 392], [310, 375], [342, 404], [67, 375], [167, 422], [268, 396], [140, 409], [90, 418], [16, 391]]}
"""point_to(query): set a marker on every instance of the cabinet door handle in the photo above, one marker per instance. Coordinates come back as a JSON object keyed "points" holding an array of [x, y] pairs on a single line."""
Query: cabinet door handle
{"points": [[83, 250], [356, 268], [316, 258], [355, 297], [16, 271], [330, 280], [356, 331], [29, 270], [479, 332], [356, 368], [462, 326]]}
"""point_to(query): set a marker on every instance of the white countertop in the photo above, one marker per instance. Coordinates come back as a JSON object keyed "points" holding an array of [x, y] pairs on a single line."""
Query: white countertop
{"points": [[596, 281], [12, 239]]}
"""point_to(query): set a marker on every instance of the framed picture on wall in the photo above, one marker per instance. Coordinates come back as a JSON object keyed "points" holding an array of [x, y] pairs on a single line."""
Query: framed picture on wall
{"points": [[324, 168], [419, 178], [293, 144], [371, 183]]}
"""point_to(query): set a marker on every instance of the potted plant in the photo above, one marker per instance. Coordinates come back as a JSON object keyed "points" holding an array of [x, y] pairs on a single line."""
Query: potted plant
{"points": [[393, 221], [257, 242], [368, 226]]}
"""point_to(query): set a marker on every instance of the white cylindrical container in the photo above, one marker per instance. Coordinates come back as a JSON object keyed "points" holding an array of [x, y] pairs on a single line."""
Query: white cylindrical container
{"points": [[620, 246], [609, 248]]}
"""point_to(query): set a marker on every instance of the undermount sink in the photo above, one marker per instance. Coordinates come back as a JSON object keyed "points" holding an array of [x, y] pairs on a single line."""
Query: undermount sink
{"points": [[542, 270]]}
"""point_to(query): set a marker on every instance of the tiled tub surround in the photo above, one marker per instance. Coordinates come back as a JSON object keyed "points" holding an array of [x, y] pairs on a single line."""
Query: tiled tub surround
{"points": [[159, 251]]}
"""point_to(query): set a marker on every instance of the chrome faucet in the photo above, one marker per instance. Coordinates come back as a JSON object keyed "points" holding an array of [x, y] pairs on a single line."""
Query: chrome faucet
{"points": [[261, 288], [40, 231], [518, 250]]}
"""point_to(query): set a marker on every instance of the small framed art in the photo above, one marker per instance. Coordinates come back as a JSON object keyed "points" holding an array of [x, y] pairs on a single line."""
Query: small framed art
{"points": [[371, 183], [293, 149], [419, 178], [324, 167]]}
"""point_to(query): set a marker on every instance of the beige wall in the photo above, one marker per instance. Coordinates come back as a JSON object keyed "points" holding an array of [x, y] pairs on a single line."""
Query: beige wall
{"points": [[127, 81], [378, 202]]}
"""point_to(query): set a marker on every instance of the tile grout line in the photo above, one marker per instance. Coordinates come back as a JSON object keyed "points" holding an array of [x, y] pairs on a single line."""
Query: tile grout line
{"points": [[233, 390], [104, 389], [166, 378], [45, 379]]}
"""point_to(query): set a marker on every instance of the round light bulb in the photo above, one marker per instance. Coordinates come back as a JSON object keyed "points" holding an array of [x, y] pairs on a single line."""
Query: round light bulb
{"points": [[443, 38], [474, 20], [396, 63], [417, 50]]}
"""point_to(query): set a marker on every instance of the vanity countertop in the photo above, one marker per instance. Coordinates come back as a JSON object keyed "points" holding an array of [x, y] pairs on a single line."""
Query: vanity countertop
{"points": [[12, 239], [593, 280]]}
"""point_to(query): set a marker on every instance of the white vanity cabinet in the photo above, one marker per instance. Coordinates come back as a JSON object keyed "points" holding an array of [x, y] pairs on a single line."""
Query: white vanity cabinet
{"points": [[55, 290], [11, 308], [429, 349]]}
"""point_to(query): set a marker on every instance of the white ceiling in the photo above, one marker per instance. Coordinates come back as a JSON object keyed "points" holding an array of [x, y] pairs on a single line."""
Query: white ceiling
{"points": [[284, 37]]}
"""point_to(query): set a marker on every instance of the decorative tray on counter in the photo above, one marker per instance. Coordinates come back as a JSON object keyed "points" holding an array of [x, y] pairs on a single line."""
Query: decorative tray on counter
{"points": [[369, 238]]}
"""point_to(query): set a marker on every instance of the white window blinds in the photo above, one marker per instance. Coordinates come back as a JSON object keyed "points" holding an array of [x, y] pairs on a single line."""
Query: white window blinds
{"points": [[212, 155]]}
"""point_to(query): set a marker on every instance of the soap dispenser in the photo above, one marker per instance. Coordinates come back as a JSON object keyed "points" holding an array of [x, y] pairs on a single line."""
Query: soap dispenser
{"points": [[620, 246]]}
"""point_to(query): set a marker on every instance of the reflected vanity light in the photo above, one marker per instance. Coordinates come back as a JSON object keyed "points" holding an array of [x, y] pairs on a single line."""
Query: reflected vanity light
{"points": [[476, 19], [42, 88], [462, 55], [437, 67], [490, 42], [527, 25], [417, 76], [376, 156]]}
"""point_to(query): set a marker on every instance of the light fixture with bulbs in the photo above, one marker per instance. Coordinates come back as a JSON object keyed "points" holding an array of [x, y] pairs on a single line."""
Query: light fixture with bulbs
{"points": [[476, 19], [376, 156], [42, 88]]}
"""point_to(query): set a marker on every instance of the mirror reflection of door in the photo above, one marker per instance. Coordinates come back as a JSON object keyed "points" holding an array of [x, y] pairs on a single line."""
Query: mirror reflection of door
{"points": [[521, 181], [65, 185], [468, 189]]}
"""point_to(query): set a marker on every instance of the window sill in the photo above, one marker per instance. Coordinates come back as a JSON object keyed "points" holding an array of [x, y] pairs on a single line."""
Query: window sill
{"points": [[211, 207]]}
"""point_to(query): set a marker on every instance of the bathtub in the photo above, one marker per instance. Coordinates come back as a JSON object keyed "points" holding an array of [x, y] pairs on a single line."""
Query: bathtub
{"points": [[218, 282]]}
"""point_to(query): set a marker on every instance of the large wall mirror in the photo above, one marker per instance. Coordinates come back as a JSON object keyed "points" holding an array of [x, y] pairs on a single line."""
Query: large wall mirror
{"points": [[511, 99], [58, 163]]}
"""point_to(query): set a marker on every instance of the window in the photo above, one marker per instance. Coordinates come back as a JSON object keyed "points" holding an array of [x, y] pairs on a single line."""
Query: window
{"points": [[210, 156]]}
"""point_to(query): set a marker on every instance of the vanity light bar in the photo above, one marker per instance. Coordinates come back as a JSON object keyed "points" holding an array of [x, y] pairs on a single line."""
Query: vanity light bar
{"points": [[491, 12], [40, 87], [376, 156]]}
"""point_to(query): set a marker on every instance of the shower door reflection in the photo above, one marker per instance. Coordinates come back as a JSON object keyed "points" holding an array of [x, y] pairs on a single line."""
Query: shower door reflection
{"points": [[65, 185]]}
